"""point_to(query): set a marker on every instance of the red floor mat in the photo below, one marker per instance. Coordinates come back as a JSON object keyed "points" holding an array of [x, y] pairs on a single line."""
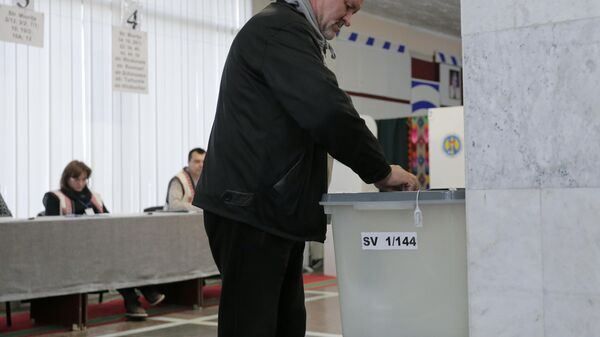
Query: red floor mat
{"points": [[114, 310]]}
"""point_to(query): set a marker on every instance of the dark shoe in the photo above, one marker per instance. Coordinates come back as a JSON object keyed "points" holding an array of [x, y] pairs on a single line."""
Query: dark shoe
{"points": [[155, 298], [134, 310], [316, 264]]}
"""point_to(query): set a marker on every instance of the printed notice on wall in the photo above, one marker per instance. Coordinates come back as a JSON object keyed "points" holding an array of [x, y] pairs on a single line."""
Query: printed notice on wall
{"points": [[130, 60], [21, 25]]}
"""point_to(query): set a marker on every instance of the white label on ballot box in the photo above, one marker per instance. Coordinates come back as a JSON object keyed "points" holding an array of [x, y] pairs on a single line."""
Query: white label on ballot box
{"points": [[389, 241]]}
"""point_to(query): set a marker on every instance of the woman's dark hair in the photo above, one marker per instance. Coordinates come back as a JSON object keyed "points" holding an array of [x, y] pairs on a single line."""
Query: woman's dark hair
{"points": [[74, 169]]}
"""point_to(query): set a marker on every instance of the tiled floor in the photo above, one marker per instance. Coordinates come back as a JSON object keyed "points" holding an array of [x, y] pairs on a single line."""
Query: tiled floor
{"points": [[323, 320]]}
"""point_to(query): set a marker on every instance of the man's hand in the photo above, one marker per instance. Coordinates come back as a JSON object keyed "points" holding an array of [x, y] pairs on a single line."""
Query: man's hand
{"points": [[398, 180]]}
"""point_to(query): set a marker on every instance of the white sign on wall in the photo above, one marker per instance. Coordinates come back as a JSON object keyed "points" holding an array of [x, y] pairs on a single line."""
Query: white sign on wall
{"points": [[130, 60], [130, 51], [20, 24]]}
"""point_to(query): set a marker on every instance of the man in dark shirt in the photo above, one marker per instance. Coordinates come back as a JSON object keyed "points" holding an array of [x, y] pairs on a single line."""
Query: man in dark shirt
{"points": [[280, 111]]}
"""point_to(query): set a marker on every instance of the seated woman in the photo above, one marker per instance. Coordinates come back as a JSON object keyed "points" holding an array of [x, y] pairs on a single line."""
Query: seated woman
{"points": [[74, 197]]}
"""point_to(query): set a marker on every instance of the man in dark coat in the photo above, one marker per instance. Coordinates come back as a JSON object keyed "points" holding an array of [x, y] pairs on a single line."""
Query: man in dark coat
{"points": [[280, 111]]}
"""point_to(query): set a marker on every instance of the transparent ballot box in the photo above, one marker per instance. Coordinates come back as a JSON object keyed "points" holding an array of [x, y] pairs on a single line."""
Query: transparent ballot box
{"points": [[400, 273]]}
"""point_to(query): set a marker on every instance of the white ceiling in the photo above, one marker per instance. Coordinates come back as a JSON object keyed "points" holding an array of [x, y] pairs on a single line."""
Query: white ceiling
{"points": [[442, 16]]}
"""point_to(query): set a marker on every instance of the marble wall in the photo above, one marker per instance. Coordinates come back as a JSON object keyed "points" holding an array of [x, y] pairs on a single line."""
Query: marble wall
{"points": [[532, 115]]}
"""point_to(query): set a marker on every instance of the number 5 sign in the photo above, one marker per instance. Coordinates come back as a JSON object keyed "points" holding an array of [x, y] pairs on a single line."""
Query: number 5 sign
{"points": [[131, 15], [21, 24], [24, 3]]}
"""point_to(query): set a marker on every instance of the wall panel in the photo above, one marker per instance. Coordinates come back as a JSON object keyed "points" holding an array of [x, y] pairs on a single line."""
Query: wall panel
{"points": [[57, 102]]}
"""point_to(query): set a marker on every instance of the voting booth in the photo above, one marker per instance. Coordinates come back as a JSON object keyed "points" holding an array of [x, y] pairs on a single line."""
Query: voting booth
{"points": [[446, 147], [400, 275]]}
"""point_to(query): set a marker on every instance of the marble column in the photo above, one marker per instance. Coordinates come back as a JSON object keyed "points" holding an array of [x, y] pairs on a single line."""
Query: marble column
{"points": [[532, 126]]}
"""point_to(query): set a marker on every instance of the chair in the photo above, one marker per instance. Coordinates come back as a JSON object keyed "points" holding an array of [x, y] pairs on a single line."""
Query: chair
{"points": [[153, 209]]}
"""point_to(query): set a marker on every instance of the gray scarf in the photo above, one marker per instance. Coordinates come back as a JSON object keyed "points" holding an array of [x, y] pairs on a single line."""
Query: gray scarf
{"points": [[304, 7]]}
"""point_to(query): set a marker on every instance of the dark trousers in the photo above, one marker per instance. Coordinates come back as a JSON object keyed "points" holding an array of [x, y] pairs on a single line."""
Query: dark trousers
{"points": [[130, 296], [262, 292]]}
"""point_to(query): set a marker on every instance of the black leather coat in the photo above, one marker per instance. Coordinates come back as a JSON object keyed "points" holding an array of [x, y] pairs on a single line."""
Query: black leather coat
{"points": [[280, 111]]}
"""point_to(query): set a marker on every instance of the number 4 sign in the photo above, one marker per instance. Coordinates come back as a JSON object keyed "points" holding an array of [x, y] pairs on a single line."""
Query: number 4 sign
{"points": [[131, 14]]}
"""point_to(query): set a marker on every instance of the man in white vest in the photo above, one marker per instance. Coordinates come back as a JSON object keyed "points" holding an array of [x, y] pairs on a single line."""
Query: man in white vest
{"points": [[182, 187]]}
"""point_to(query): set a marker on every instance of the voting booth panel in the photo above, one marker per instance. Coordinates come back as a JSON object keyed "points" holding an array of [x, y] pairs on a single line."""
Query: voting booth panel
{"points": [[447, 147]]}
